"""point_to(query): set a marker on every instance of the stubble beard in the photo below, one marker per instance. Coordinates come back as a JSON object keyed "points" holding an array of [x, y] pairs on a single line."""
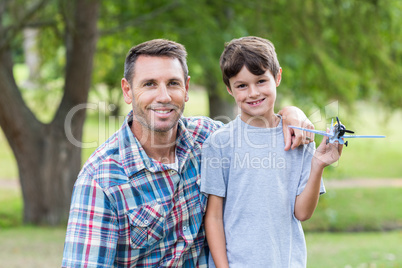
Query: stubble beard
{"points": [[149, 122]]}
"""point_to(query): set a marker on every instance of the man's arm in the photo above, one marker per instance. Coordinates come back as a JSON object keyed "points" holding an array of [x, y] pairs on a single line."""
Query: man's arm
{"points": [[307, 201], [293, 116], [92, 230], [215, 232]]}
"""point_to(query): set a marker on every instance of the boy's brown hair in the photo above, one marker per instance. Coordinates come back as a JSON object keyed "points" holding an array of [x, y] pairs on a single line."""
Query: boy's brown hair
{"points": [[256, 53]]}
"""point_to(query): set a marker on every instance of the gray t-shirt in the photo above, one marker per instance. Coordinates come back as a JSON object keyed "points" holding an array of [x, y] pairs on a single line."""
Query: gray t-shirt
{"points": [[259, 180]]}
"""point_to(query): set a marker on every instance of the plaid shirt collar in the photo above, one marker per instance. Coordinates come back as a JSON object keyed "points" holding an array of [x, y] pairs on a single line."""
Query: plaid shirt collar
{"points": [[134, 158]]}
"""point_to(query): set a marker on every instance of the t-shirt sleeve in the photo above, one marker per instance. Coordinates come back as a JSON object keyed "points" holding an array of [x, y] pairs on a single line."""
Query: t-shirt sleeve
{"points": [[212, 169], [306, 168]]}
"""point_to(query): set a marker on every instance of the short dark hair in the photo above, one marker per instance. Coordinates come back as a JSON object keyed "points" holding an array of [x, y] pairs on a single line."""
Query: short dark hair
{"points": [[256, 53], [157, 48]]}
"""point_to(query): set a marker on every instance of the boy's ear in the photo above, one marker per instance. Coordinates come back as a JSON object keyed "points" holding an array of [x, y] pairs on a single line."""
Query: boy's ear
{"points": [[229, 91], [279, 77]]}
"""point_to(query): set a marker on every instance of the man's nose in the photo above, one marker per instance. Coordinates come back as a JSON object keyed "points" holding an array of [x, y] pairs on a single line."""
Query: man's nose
{"points": [[163, 94]]}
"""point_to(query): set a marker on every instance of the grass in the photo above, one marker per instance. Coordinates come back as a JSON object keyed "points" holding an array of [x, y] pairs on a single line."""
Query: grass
{"points": [[359, 209], [350, 250], [31, 247], [38, 247], [11, 208]]}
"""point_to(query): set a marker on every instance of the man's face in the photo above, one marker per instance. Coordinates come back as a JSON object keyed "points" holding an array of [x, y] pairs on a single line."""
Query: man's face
{"points": [[157, 93]]}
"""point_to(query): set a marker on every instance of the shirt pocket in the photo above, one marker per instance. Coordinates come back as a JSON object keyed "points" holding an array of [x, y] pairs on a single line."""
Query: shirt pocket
{"points": [[147, 224]]}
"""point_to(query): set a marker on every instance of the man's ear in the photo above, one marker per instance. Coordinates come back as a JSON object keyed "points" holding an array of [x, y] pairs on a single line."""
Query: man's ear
{"points": [[127, 92], [186, 98], [279, 77]]}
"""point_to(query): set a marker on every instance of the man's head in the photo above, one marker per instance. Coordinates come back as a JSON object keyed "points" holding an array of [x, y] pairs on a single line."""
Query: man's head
{"points": [[158, 86], [157, 48], [256, 54]]}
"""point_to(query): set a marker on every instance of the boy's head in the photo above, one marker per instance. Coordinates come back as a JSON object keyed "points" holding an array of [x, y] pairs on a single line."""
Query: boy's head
{"points": [[257, 54]]}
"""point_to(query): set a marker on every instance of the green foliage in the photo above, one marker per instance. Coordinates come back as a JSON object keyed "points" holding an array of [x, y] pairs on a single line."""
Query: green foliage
{"points": [[345, 50]]}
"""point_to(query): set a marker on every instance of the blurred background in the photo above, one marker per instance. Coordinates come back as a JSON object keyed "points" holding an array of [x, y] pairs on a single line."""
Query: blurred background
{"points": [[61, 63]]}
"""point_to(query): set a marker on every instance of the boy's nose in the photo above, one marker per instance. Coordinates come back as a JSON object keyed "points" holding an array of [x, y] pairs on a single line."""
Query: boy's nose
{"points": [[253, 92]]}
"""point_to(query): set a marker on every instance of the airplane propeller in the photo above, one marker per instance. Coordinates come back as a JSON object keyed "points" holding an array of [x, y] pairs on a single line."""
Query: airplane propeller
{"points": [[342, 129]]}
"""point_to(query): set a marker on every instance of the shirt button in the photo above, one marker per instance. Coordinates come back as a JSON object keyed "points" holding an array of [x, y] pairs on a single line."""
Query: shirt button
{"points": [[146, 221], [184, 228]]}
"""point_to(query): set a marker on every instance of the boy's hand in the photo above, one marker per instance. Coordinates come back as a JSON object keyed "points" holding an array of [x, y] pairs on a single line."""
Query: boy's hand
{"points": [[293, 116], [326, 154]]}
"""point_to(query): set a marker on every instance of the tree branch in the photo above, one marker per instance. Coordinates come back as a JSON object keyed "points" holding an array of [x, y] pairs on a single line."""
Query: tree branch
{"points": [[81, 45], [141, 19], [11, 31]]}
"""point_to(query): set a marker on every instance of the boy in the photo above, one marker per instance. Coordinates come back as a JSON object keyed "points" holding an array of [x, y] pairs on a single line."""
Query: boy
{"points": [[258, 193]]}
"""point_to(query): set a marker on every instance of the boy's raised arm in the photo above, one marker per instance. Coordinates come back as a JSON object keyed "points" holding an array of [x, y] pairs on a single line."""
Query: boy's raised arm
{"points": [[291, 115], [325, 155], [215, 232]]}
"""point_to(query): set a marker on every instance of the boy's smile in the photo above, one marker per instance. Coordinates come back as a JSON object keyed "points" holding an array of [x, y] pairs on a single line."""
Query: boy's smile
{"points": [[255, 95]]}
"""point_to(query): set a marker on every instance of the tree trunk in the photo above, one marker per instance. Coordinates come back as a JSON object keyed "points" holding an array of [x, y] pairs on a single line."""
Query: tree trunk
{"points": [[48, 163], [221, 107]]}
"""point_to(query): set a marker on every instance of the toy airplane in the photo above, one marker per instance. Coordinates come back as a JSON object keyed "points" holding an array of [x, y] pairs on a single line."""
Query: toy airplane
{"points": [[337, 133]]}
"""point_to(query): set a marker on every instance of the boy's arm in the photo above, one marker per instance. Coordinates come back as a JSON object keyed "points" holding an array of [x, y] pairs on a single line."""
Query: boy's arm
{"points": [[293, 116], [306, 202], [215, 232]]}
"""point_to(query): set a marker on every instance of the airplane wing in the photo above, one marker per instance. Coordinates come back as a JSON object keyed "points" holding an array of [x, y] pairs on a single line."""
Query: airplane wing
{"points": [[313, 131], [359, 136]]}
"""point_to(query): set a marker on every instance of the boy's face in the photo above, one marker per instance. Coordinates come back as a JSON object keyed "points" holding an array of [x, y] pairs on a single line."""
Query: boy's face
{"points": [[255, 95]]}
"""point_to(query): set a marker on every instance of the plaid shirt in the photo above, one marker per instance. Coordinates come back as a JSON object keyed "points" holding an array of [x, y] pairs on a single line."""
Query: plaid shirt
{"points": [[130, 210]]}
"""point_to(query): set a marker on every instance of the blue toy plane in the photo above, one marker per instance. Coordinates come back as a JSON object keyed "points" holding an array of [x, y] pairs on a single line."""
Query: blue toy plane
{"points": [[337, 133]]}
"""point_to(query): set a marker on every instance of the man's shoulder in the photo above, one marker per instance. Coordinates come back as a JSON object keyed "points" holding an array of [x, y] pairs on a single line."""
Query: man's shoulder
{"points": [[104, 160], [200, 127]]}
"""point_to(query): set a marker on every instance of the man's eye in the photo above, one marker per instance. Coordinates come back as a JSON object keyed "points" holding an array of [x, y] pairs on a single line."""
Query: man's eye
{"points": [[174, 83], [149, 84]]}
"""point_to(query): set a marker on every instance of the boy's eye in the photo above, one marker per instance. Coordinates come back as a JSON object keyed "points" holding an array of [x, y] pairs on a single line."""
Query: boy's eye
{"points": [[241, 86], [262, 81]]}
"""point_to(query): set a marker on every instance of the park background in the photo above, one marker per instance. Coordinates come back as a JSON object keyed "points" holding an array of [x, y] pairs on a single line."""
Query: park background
{"points": [[339, 58]]}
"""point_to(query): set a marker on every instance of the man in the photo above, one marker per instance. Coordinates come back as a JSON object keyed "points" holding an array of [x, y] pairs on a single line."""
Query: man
{"points": [[137, 200]]}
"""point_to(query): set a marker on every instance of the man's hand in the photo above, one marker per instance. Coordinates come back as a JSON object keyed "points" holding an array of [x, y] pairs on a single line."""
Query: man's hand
{"points": [[293, 116]]}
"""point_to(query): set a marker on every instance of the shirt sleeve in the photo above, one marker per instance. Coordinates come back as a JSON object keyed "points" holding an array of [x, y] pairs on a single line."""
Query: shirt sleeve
{"points": [[212, 169], [308, 154], [92, 230]]}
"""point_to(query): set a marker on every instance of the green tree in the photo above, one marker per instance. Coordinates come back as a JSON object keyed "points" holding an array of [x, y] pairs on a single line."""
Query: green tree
{"points": [[48, 162]]}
